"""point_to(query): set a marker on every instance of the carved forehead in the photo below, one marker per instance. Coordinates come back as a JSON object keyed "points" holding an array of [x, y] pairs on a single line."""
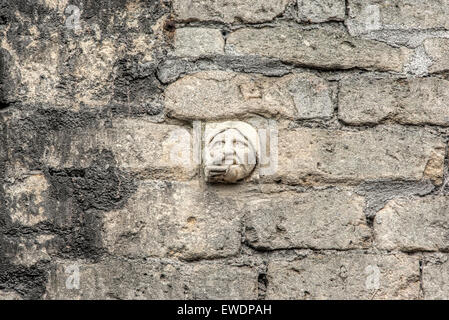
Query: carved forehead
{"points": [[230, 132], [243, 129]]}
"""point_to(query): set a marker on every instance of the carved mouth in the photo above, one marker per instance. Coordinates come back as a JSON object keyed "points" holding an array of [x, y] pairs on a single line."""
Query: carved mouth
{"points": [[226, 161]]}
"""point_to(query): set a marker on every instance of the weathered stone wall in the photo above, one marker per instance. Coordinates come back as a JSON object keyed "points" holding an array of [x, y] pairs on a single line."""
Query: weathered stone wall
{"points": [[93, 206]]}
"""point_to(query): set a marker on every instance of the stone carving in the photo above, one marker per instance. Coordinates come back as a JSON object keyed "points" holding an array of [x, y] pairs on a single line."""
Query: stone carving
{"points": [[230, 152]]}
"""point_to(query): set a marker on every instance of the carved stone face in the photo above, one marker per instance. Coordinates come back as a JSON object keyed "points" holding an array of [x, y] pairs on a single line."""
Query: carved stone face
{"points": [[230, 151]]}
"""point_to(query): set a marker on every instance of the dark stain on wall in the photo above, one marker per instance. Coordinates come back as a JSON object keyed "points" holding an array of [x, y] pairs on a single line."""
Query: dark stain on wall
{"points": [[77, 198]]}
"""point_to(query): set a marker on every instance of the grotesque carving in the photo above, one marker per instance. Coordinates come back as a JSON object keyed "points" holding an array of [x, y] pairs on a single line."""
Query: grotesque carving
{"points": [[230, 152]]}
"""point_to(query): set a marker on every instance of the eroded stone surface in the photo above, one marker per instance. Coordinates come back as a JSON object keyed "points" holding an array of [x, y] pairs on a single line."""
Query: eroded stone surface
{"points": [[370, 15], [321, 10], [343, 275], [27, 200], [152, 279], [413, 224], [435, 276], [310, 155], [138, 145], [419, 101], [228, 94], [198, 42], [86, 68], [174, 219], [31, 251], [318, 48], [229, 11], [438, 51], [9, 295], [328, 219]]}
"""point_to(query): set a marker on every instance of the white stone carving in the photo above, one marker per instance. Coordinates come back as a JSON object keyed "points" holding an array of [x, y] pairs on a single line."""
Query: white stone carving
{"points": [[230, 151]]}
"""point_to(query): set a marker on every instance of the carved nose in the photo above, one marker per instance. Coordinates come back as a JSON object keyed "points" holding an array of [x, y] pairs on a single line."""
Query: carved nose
{"points": [[228, 149]]}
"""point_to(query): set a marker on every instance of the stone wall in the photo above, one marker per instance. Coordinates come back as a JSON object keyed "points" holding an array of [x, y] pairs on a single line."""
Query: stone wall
{"points": [[96, 96]]}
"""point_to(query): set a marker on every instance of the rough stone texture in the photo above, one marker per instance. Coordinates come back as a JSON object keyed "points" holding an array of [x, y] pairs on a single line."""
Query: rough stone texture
{"points": [[418, 101], [28, 252], [26, 200], [228, 94], [138, 146], [413, 224], [378, 193], [435, 276], [326, 219], [9, 78], [57, 66], [310, 155], [318, 48], [229, 11], [8, 295], [152, 279], [369, 15], [345, 276], [321, 10], [198, 42], [176, 220], [438, 51]]}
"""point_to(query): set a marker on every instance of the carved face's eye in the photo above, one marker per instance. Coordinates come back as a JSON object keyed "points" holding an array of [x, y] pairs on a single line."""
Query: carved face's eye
{"points": [[219, 144], [239, 144]]}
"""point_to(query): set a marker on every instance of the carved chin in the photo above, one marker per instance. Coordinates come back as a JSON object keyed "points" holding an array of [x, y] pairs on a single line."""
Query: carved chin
{"points": [[232, 173]]}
